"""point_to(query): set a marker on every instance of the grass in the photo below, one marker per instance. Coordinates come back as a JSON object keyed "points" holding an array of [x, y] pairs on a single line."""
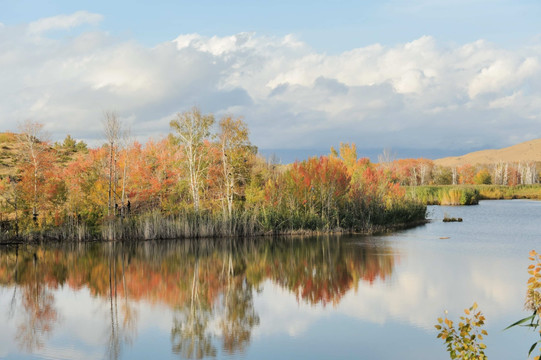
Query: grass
{"points": [[155, 225], [445, 195], [471, 194], [495, 192]]}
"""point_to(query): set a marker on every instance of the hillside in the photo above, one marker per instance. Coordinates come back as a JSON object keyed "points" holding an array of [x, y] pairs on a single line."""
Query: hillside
{"points": [[523, 152], [9, 150]]}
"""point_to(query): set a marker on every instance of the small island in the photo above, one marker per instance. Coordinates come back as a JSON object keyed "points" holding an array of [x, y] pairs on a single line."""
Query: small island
{"points": [[189, 184]]}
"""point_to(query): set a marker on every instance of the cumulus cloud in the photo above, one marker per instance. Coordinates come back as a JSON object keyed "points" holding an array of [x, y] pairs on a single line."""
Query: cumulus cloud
{"points": [[419, 94]]}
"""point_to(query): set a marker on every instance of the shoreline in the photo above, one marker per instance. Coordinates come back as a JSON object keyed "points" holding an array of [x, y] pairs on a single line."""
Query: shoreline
{"points": [[374, 230]]}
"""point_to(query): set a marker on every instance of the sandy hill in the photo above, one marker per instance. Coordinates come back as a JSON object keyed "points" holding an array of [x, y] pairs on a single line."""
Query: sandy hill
{"points": [[11, 149], [526, 151], [9, 153]]}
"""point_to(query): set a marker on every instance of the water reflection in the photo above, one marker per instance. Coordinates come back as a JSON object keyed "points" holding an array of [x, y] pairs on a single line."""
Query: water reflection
{"points": [[35, 297], [208, 285]]}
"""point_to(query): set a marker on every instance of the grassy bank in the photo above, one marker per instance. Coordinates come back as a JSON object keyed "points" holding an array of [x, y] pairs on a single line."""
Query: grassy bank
{"points": [[445, 195], [495, 192], [156, 225], [471, 194]]}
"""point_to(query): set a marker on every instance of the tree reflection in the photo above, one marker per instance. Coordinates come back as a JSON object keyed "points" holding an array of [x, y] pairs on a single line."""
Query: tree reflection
{"points": [[239, 318], [209, 285], [118, 332], [189, 334], [40, 314]]}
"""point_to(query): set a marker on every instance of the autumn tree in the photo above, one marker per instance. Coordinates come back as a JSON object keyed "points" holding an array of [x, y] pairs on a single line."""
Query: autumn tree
{"points": [[234, 150], [192, 129], [9, 194], [482, 177], [35, 160], [466, 174], [87, 188], [348, 152], [155, 174]]}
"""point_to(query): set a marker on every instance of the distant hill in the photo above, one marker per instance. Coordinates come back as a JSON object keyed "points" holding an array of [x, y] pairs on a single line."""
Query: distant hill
{"points": [[525, 152], [9, 150]]}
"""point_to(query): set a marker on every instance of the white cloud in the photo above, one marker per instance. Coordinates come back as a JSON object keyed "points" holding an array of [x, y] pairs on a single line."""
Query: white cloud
{"points": [[63, 22], [417, 94]]}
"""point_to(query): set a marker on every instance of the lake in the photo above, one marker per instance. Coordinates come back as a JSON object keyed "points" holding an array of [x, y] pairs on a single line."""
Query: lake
{"points": [[325, 297]]}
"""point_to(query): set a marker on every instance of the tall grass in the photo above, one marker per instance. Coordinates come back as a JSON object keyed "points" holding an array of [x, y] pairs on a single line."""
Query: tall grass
{"points": [[494, 192], [155, 225], [471, 194], [445, 195]]}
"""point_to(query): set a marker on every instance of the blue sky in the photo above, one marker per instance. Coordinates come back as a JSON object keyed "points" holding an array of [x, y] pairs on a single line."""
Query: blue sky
{"points": [[448, 75], [330, 26]]}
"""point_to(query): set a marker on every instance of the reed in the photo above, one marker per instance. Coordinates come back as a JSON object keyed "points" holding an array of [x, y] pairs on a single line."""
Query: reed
{"points": [[494, 192], [156, 225], [445, 195]]}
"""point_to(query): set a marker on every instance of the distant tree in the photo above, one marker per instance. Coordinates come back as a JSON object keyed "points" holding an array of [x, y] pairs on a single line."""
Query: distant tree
{"points": [[192, 129], [81, 146], [443, 175], [482, 177], [69, 143], [465, 174], [348, 153], [387, 156]]}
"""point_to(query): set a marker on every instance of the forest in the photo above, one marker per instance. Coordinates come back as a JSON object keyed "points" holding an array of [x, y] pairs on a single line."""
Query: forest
{"points": [[205, 179]]}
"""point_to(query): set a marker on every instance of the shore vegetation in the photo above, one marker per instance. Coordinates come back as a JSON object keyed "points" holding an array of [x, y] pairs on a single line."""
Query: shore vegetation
{"points": [[194, 183]]}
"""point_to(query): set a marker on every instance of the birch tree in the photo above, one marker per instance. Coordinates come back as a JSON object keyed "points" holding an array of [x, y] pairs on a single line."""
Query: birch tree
{"points": [[112, 128], [35, 147], [126, 143], [192, 129], [234, 151]]}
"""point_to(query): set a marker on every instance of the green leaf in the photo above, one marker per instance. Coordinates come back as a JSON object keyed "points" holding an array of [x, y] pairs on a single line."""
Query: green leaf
{"points": [[533, 347], [521, 321]]}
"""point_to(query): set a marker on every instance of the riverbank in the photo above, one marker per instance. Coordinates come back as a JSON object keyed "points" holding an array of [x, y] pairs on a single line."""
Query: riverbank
{"points": [[190, 225], [471, 194]]}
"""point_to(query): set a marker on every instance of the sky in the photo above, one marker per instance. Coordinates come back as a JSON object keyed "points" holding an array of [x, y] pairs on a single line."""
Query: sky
{"points": [[428, 78]]}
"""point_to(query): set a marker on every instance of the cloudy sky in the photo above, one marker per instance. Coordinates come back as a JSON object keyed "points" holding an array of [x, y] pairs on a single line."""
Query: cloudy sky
{"points": [[432, 76]]}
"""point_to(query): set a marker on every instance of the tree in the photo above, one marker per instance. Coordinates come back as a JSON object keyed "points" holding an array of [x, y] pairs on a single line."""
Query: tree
{"points": [[482, 177], [466, 174], [192, 130], [112, 128], [126, 143], [443, 175], [234, 151], [34, 158], [9, 193]]}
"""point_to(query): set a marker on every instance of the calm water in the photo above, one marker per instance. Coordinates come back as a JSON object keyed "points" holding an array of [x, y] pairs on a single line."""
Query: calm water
{"points": [[317, 298]]}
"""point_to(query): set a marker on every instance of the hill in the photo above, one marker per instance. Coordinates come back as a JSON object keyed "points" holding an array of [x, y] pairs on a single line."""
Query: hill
{"points": [[9, 150], [523, 152]]}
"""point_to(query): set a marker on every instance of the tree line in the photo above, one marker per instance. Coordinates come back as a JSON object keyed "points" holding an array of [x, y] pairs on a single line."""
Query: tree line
{"points": [[414, 172], [202, 182]]}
